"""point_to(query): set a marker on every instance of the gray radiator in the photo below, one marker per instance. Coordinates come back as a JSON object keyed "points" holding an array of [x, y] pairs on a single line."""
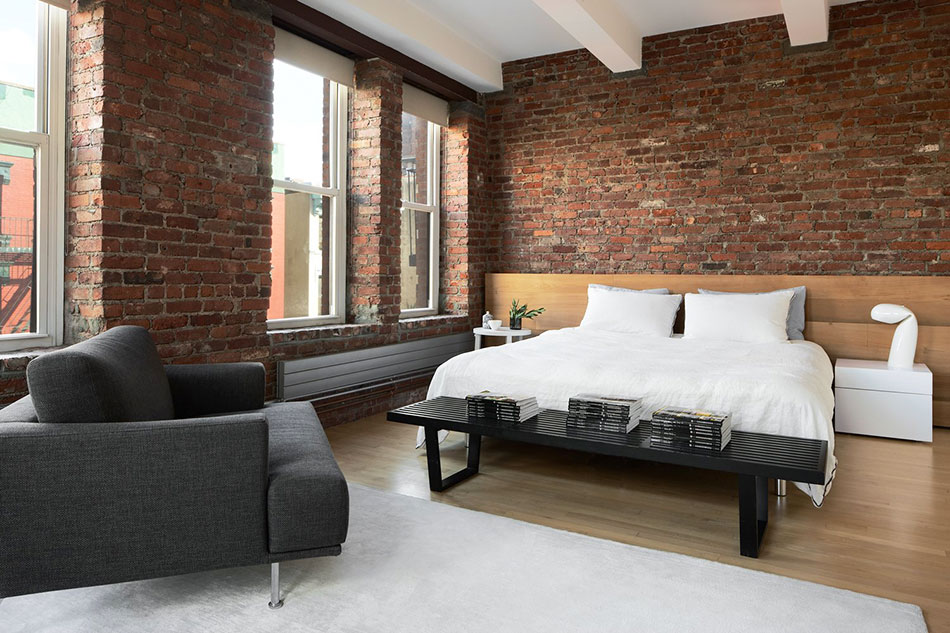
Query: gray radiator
{"points": [[310, 378]]}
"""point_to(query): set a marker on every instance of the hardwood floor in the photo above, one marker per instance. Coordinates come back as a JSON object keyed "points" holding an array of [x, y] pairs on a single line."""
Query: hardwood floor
{"points": [[884, 529]]}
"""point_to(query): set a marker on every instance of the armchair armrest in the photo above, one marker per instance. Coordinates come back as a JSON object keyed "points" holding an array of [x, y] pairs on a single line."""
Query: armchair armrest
{"points": [[87, 504], [214, 388]]}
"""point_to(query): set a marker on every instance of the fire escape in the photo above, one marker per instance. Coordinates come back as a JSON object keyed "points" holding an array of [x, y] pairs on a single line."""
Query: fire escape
{"points": [[16, 269]]}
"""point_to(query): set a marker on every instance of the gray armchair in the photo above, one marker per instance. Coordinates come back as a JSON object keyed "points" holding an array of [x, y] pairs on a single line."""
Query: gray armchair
{"points": [[115, 468]]}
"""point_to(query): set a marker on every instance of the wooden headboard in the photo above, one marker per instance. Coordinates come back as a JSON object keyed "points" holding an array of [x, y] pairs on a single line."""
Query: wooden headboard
{"points": [[837, 310]]}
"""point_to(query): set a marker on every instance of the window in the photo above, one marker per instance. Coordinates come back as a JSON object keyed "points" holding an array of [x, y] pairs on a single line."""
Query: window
{"points": [[309, 217], [419, 237], [32, 147]]}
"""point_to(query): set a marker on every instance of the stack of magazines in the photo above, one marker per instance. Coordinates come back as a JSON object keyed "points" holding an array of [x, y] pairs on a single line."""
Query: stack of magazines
{"points": [[616, 415], [692, 430], [499, 407]]}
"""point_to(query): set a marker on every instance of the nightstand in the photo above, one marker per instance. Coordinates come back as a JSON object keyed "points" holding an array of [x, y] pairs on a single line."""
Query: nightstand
{"points": [[508, 333], [871, 399]]}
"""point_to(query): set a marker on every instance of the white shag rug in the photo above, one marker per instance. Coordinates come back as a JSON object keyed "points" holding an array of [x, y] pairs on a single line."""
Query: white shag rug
{"points": [[411, 565]]}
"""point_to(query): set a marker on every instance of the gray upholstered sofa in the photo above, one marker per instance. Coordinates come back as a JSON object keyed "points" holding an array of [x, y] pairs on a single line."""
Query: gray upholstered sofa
{"points": [[116, 468]]}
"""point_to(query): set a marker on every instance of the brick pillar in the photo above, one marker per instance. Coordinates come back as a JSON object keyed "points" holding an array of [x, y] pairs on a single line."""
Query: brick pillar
{"points": [[373, 283], [169, 174], [464, 220]]}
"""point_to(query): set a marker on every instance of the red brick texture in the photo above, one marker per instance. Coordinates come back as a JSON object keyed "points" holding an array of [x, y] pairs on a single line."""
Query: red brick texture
{"points": [[375, 193], [732, 154], [169, 180], [465, 212]]}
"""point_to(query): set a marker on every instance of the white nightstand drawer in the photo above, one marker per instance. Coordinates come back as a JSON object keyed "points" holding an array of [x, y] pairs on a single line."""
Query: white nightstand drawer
{"points": [[874, 374], [906, 416]]}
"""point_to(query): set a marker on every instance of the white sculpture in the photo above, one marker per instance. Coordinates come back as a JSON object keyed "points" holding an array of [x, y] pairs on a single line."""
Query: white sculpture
{"points": [[904, 344]]}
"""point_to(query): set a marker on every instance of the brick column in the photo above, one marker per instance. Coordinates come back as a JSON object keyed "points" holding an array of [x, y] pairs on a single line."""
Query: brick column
{"points": [[373, 283], [464, 219], [169, 174]]}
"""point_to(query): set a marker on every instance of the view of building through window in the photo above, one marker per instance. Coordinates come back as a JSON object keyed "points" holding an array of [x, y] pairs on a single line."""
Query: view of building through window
{"points": [[302, 210], [419, 211], [18, 81]]}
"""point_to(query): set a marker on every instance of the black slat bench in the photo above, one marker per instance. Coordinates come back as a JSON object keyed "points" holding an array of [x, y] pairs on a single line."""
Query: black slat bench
{"points": [[754, 457]]}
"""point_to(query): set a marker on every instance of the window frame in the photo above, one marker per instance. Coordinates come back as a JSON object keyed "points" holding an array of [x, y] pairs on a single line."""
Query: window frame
{"points": [[49, 143], [337, 194], [433, 208]]}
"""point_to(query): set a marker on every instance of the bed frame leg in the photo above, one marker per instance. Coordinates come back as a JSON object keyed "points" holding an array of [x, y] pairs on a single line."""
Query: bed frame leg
{"points": [[781, 488]]}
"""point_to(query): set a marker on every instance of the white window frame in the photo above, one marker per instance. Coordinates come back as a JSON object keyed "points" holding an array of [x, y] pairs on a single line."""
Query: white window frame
{"points": [[433, 187], [49, 144], [335, 191]]}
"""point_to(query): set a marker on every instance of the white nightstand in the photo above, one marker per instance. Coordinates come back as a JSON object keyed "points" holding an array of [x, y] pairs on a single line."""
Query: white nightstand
{"points": [[508, 333], [871, 399]]}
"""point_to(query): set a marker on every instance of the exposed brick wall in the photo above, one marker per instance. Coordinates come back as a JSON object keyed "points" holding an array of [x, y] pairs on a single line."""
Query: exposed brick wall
{"points": [[732, 155], [169, 183], [375, 193], [465, 211]]}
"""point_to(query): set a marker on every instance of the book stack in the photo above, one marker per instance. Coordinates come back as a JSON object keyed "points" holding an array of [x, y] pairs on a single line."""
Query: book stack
{"points": [[615, 415], [499, 407], [691, 430]]}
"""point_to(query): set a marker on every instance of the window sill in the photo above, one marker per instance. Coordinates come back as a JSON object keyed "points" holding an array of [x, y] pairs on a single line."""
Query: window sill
{"points": [[412, 323], [16, 360], [316, 332]]}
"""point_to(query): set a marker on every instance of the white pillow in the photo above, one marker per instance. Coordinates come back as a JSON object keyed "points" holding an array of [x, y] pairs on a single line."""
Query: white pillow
{"points": [[738, 317], [643, 313]]}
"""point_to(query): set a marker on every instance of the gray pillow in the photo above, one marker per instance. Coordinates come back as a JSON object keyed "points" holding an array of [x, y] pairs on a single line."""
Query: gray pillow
{"points": [[652, 291], [116, 376], [795, 323]]}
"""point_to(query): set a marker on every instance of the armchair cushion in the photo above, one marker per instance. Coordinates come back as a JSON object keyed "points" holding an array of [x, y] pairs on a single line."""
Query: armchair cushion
{"points": [[209, 389], [116, 376]]}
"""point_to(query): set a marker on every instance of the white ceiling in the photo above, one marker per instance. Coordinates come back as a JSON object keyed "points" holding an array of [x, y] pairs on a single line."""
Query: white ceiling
{"points": [[465, 38]]}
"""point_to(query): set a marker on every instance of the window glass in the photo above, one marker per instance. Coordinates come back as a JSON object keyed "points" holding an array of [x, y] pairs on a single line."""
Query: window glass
{"points": [[416, 258], [301, 126], [300, 279], [17, 237], [415, 148], [19, 58]]}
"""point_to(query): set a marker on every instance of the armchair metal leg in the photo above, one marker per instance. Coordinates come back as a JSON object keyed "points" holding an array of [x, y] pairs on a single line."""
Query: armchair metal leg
{"points": [[780, 487], [275, 601]]}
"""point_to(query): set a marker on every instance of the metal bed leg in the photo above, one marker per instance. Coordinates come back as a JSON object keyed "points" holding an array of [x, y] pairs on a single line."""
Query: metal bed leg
{"points": [[781, 488], [275, 601]]}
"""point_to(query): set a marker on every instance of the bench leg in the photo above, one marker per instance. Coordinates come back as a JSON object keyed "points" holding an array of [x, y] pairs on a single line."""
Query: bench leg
{"points": [[434, 460], [753, 513]]}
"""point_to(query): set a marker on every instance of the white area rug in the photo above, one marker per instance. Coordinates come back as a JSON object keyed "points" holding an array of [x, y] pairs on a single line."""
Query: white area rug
{"points": [[417, 566]]}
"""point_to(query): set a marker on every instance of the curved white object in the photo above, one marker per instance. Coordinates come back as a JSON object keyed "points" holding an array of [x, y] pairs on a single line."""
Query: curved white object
{"points": [[904, 343]]}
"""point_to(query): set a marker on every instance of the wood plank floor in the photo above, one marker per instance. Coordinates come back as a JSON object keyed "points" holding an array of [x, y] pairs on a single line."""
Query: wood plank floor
{"points": [[884, 529]]}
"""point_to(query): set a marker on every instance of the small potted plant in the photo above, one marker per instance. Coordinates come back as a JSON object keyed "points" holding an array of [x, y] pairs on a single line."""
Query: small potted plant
{"points": [[518, 312]]}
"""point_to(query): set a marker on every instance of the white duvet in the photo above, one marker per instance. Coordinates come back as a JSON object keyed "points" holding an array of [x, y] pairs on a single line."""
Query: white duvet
{"points": [[781, 388]]}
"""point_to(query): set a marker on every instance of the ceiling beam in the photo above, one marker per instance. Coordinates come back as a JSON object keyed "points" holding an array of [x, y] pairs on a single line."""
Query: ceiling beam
{"points": [[318, 27], [806, 21], [601, 27]]}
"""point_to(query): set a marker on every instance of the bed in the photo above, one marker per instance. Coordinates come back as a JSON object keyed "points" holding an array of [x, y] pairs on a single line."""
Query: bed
{"points": [[781, 388]]}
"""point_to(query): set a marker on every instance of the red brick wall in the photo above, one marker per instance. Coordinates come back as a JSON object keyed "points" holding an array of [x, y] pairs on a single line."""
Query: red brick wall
{"points": [[465, 216], [731, 154], [169, 184], [375, 193]]}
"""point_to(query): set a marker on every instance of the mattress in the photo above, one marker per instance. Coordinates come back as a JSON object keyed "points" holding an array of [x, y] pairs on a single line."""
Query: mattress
{"points": [[779, 388]]}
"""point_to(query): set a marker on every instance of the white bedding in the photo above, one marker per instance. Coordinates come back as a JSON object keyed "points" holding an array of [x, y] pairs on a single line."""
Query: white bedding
{"points": [[781, 388]]}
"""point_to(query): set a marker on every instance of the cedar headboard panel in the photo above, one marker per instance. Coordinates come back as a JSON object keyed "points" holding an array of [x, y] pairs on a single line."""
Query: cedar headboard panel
{"points": [[837, 309]]}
